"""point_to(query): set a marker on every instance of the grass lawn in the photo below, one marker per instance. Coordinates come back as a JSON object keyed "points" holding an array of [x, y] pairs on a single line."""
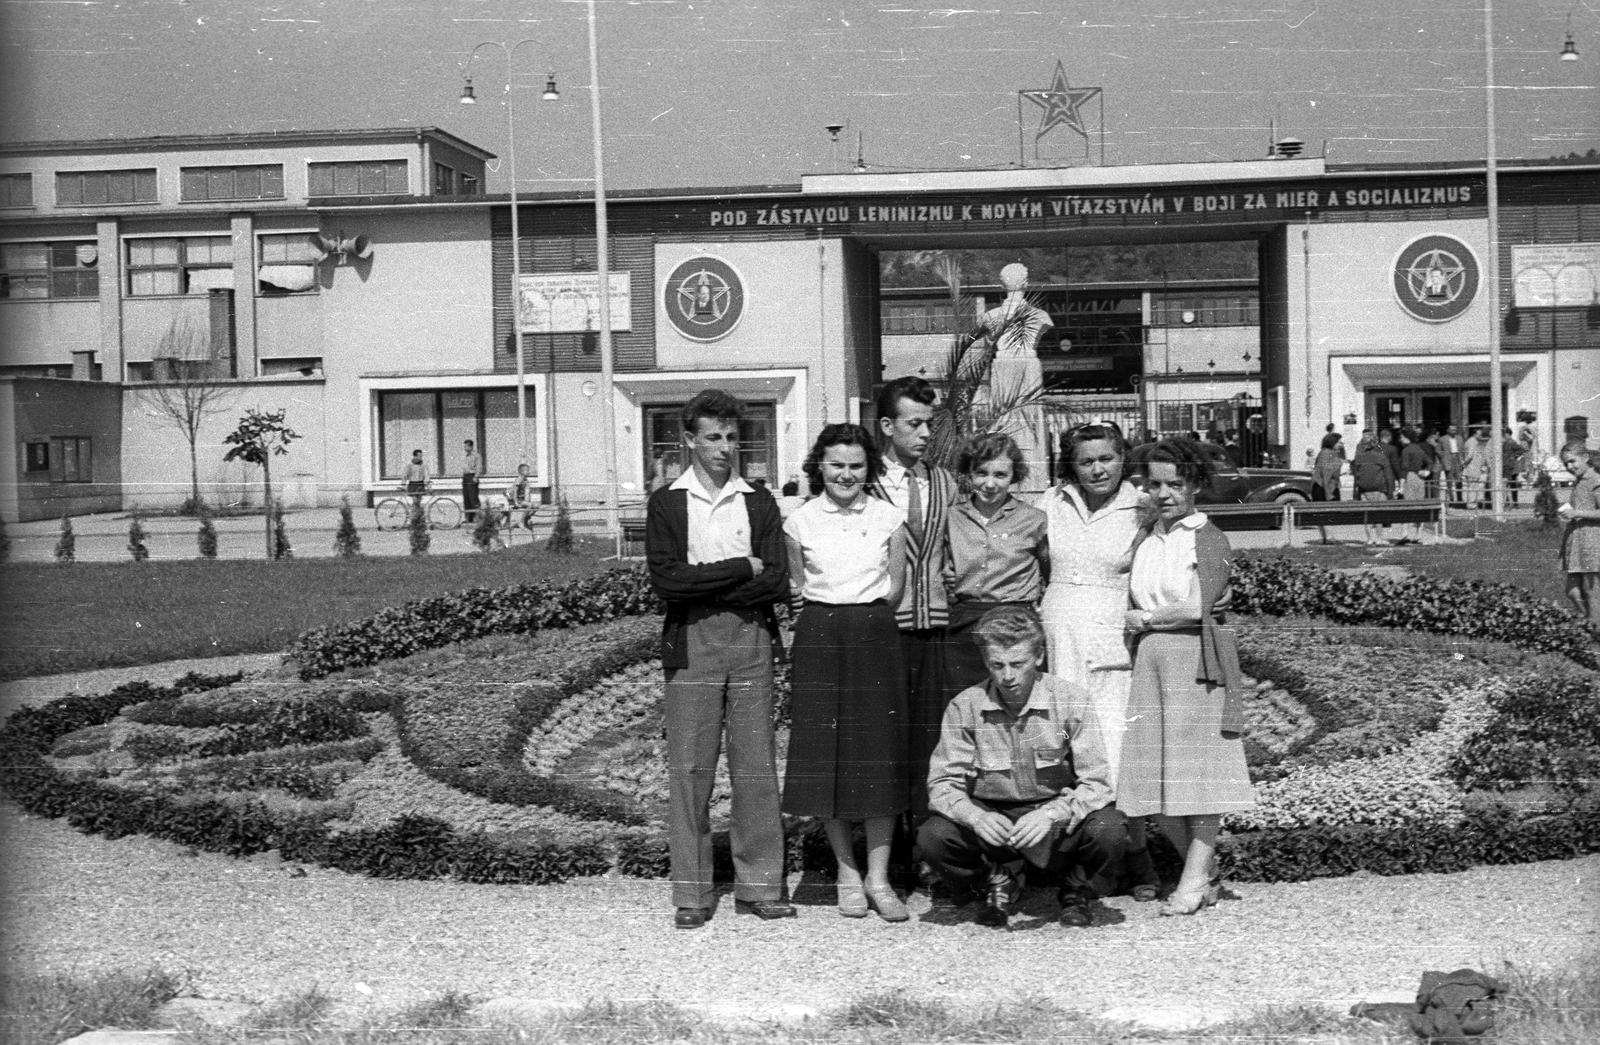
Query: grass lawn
{"points": [[1522, 554], [56, 618]]}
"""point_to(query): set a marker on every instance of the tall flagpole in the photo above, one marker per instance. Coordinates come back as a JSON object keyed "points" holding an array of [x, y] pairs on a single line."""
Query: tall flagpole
{"points": [[603, 254]]}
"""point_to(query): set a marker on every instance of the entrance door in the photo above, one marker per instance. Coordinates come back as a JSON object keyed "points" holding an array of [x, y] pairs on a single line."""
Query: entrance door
{"points": [[1438, 409], [1389, 409]]}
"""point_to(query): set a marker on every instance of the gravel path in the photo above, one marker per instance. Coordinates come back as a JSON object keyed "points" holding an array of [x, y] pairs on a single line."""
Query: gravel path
{"points": [[253, 930]]}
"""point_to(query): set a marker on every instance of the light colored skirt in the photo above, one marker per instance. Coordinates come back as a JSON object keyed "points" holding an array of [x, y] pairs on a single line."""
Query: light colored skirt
{"points": [[1175, 760]]}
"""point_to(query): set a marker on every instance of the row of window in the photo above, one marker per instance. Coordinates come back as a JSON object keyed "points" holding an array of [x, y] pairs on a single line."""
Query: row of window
{"points": [[158, 265], [262, 181], [1212, 310], [447, 181], [61, 459]]}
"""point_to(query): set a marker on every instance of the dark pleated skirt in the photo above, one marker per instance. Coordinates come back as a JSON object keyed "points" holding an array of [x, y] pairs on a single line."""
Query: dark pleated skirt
{"points": [[848, 734]]}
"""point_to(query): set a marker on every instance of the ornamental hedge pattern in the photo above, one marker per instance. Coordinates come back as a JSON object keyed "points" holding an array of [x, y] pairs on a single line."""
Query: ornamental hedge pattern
{"points": [[1386, 759]]}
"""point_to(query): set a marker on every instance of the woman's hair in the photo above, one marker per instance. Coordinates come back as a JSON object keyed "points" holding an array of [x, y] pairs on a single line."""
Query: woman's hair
{"points": [[1331, 440], [1581, 448], [1193, 466], [1368, 442], [1007, 626], [1077, 435], [1409, 434], [990, 446], [841, 435]]}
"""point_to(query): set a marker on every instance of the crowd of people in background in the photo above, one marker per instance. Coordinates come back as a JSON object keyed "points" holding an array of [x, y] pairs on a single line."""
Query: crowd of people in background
{"points": [[991, 687]]}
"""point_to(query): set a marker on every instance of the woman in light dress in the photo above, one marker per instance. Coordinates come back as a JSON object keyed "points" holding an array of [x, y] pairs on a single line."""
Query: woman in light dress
{"points": [[1093, 517]]}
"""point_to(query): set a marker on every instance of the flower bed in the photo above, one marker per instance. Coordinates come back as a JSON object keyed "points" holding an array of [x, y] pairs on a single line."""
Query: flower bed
{"points": [[540, 756]]}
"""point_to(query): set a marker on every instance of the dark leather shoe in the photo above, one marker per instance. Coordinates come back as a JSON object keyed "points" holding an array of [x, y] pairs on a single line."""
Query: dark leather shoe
{"points": [[999, 893], [691, 917], [1076, 909], [766, 910]]}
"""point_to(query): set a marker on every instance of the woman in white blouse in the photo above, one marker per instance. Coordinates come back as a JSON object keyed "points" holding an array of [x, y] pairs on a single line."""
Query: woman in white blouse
{"points": [[1094, 517], [848, 738], [1183, 752]]}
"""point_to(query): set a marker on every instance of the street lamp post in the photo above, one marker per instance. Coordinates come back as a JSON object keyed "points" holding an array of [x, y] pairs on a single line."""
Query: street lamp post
{"points": [[468, 97], [603, 256], [1497, 407], [1497, 419]]}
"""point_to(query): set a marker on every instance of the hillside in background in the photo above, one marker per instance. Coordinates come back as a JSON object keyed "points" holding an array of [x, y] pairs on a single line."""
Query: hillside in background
{"points": [[1109, 263]]}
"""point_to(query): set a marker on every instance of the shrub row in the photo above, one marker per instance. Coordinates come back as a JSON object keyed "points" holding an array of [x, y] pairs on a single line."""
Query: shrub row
{"points": [[429, 623], [1482, 609], [1491, 838], [1544, 730], [410, 847], [310, 772], [302, 721], [420, 847], [249, 703]]}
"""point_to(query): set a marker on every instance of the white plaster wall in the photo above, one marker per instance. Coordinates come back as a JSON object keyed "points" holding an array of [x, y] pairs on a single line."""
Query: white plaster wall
{"points": [[46, 332], [795, 316]]}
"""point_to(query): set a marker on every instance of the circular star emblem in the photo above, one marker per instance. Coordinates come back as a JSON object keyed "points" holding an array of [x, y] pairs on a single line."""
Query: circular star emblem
{"points": [[1435, 278], [704, 298]]}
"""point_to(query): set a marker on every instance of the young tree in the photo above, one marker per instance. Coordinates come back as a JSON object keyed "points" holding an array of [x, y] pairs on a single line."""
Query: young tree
{"points": [[208, 532], [486, 531], [1546, 507], [260, 437], [346, 541], [66, 542], [136, 545], [560, 539], [187, 388], [417, 524]]}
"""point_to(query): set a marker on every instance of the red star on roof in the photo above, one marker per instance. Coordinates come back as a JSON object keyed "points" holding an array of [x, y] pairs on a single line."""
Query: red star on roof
{"points": [[1060, 103]]}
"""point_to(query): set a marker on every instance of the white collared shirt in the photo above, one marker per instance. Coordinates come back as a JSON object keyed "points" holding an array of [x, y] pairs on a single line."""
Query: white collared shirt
{"points": [[1164, 567], [719, 525], [896, 480], [845, 551]]}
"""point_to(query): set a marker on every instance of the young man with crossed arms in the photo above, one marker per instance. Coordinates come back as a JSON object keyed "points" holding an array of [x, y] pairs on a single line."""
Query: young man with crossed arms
{"points": [[716, 553]]}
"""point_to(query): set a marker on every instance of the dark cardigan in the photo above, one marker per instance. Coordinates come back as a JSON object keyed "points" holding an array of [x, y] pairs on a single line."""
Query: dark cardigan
{"points": [[682, 584]]}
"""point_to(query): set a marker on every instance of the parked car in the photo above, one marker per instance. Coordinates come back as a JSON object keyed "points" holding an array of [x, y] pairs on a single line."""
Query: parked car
{"points": [[1231, 484]]}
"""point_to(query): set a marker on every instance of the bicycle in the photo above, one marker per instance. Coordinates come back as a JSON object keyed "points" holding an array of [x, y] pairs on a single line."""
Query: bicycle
{"points": [[394, 513]]}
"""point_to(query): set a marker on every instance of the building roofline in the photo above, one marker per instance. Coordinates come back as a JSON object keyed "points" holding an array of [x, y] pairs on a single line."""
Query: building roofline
{"points": [[157, 143], [1251, 172], [1110, 286]]}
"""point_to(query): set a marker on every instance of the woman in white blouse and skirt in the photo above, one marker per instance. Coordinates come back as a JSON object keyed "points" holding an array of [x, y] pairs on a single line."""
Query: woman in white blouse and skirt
{"points": [[849, 738], [1093, 519], [1183, 753]]}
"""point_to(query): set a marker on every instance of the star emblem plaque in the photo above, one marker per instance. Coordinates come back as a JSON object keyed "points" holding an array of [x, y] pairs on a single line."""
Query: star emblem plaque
{"points": [[1059, 105]]}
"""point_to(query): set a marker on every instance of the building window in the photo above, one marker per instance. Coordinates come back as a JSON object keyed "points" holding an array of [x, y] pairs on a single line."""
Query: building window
{"points": [[664, 459], [180, 265], [919, 317], [49, 270], [264, 182], [100, 188], [444, 180], [468, 185], [1205, 310], [288, 263], [438, 421], [365, 178], [61, 459], [16, 190]]}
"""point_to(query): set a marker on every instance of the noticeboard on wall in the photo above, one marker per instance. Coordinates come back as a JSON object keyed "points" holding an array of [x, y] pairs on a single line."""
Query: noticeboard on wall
{"points": [[1555, 275], [569, 302]]}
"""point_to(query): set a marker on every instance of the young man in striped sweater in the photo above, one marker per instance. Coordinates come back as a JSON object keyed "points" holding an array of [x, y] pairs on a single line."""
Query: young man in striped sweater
{"points": [[925, 492]]}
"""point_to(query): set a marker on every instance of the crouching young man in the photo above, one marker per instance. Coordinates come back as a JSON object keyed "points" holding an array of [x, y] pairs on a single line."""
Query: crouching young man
{"points": [[1020, 777]]}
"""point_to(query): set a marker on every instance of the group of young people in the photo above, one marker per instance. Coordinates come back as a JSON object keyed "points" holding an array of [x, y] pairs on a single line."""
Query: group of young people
{"points": [[1003, 684]]}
